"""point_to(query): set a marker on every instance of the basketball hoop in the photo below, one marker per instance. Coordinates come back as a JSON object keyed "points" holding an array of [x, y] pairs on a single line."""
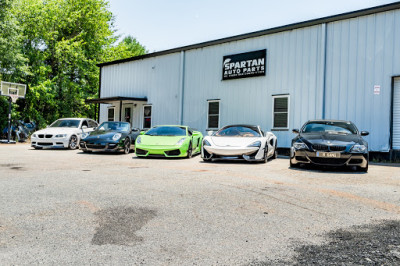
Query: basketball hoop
{"points": [[14, 98]]}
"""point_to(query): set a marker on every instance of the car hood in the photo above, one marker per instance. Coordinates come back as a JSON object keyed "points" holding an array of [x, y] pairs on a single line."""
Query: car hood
{"points": [[331, 139], [102, 134], [160, 140], [58, 130], [233, 141]]}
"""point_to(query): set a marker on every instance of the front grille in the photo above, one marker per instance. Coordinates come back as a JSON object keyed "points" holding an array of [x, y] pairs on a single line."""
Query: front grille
{"points": [[320, 147], [48, 136], [44, 144], [140, 152], [330, 161], [95, 146], [337, 148], [253, 155], [41, 136], [323, 147], [173, 153]]}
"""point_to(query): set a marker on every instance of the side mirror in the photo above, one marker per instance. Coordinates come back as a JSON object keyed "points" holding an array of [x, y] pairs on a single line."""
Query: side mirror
{"points": [[210, 133], [84, 127], [296, 131], [142, 132], [364, 133]]}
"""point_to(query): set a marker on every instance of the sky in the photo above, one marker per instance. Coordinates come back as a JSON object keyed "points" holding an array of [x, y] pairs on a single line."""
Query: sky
{"points": [[166, 24]]}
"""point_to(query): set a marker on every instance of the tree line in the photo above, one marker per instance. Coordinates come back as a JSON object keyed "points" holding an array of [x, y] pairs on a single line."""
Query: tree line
{"points": [[53, 47]]}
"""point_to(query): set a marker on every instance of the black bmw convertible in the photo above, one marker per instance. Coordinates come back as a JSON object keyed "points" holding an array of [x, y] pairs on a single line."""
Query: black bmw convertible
{"points": [[331, 143], [109, 137]]}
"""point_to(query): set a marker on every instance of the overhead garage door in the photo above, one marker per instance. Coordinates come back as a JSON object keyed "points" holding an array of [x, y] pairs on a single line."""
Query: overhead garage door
{"points": [[396, 114]]}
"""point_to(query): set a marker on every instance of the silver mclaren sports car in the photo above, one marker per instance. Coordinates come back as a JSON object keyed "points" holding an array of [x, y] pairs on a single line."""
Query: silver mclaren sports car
{"points": [[240, 142]]}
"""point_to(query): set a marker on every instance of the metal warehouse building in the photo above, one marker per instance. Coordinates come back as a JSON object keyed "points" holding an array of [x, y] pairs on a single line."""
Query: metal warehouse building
{"points": [[340, 67]]}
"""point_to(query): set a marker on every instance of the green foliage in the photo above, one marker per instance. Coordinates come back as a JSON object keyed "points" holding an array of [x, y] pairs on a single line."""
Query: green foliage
{"points": [[128, 47], [12, 61], [61, 42]]}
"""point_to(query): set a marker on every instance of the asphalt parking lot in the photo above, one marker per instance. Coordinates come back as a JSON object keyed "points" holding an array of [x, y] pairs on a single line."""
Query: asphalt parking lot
{"points": [[67, 207]]}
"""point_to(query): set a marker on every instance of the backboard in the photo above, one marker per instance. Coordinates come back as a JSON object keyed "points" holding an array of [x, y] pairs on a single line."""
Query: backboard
{"points": [[13, 89]]}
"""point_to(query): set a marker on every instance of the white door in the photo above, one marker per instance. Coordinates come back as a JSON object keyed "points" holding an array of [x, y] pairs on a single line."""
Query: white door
{"points": [[396, 114], [127, 113]]}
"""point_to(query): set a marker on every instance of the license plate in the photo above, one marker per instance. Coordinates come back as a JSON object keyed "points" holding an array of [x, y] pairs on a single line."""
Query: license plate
{"points": [[328, 154]]}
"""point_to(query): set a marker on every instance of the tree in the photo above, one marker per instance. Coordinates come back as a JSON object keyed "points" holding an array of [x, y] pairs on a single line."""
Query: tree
{"points": [[57, 44], [12, 61], [128, 47]]}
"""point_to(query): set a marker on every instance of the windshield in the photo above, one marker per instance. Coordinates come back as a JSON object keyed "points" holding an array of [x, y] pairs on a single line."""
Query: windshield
{"points": [[66, 123], [115, 126], [238, 131], [166, 131], [330, 128]]}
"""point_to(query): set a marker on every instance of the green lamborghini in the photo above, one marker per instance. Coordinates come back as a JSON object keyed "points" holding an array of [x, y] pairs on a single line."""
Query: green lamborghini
{"points": [[168, 141]]}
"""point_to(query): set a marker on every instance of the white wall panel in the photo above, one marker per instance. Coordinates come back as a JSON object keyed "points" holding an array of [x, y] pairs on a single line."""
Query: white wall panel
{"points": [[361, 53], [292, 67], [156, 78]]}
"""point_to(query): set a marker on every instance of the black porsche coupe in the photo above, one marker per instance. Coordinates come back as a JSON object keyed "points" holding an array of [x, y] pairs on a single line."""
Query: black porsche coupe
{"points": [[110, 137], [331, 143]]}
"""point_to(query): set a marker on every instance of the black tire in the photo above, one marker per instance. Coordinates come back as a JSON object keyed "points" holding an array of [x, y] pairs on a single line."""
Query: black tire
{"points": [[127, 146], [364, 169], [73, 142], [189, 152], [38, 148], [293, 165], [265, 154], [275, 152]]}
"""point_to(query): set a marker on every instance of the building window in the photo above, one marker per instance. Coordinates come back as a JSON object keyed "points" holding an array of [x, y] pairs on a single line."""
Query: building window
{"points": [[213, 114], [281, 112], [147, 116], [111, 114]]}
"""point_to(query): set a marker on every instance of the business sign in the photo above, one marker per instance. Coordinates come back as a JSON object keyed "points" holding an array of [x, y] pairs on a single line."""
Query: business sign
{"points": [[245, 65]]}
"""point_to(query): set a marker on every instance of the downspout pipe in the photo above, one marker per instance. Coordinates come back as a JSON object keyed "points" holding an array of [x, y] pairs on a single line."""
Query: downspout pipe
{"points": [[324, 56], [182, 86]]}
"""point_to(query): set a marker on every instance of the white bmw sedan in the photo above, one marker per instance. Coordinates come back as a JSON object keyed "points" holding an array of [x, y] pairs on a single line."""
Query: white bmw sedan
{"points": [[63, 133], [240, 142]]}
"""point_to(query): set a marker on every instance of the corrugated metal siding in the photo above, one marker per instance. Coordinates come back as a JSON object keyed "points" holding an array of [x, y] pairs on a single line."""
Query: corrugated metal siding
{"points": [[363, 52], [396, 114], [360, 53], [293, 67], [156, 78]]}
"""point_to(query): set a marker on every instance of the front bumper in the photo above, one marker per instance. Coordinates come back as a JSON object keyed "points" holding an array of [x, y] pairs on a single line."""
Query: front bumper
{"points": [[49, 142], [160, 151], [251, 154], [101, 146], [345, 159]]}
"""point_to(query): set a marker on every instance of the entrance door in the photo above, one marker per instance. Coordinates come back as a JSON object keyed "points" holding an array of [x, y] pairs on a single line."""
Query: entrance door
{"points": [[396, 114], [128, 115]]}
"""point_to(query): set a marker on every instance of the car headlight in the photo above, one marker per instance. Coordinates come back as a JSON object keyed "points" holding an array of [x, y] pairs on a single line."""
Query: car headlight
{"points": [[61, 135], [180, 142], [85, 135], [300, 146], [34, 135], [116, 136], [206, 143], [358, 148], [255, 144], [139, 140]]}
